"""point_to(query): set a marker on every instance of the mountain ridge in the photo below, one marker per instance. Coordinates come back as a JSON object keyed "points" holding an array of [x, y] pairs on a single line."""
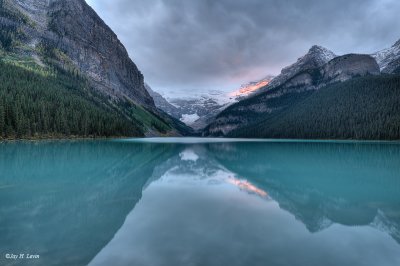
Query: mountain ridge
{"points": [[296, 82]]}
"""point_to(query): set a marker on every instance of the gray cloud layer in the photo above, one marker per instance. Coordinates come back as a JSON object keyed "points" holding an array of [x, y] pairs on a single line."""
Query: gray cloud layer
{"points": [[194, 45]]}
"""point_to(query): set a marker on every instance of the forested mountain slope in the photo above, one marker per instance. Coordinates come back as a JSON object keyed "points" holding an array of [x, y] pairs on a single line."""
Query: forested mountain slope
{"points": [[36, 104], [362, 108]]}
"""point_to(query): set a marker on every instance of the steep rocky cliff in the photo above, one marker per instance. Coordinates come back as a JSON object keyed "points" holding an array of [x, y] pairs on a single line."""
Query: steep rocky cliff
{"points": [[73, 35], [96, 50]]}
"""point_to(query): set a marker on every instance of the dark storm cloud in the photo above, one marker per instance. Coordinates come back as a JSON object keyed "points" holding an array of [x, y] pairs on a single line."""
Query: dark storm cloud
{"points": [[202, 44]]}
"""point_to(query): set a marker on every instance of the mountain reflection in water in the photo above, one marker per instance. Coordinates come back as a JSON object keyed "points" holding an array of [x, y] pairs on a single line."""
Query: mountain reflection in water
{"points": [[217, 203]]}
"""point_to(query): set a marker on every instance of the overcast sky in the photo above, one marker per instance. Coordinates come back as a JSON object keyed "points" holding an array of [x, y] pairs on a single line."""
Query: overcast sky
{"points": [[190, 46]]}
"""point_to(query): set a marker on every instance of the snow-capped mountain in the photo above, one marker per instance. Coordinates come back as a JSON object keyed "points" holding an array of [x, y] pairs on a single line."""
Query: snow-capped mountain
{"points": [[194, 110], [389, 59], [316, 57]]}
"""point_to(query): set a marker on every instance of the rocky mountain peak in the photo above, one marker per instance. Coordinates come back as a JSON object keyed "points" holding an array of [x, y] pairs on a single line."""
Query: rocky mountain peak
{"points": [[316, 57], [321, 54]]}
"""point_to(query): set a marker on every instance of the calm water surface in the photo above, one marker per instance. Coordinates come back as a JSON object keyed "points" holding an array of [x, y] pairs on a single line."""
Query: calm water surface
{"points": [[200, 202]]}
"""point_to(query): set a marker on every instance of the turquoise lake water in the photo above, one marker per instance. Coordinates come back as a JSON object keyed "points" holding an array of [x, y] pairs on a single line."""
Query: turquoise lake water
{"points": [[200, 202]]}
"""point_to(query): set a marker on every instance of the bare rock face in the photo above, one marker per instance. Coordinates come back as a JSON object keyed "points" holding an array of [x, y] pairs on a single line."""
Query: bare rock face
{"points": [[36, 10], [348, 66], [94, 47], [302, 79], [77, 35]]}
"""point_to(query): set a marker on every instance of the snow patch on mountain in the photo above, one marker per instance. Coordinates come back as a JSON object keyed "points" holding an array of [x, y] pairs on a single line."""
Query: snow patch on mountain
{"points": [[251, 87], [387, 56], [189, 119]]}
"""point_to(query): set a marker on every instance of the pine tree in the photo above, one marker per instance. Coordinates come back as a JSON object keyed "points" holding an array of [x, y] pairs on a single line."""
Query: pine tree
{"points": [[2, 119]]}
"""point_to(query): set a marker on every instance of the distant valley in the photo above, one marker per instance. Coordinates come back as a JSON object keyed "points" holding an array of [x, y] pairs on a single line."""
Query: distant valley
{"points": [[197, 111]]}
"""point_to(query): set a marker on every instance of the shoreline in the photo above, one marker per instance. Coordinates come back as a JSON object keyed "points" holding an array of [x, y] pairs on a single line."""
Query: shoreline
{"points": [[169, 139]]}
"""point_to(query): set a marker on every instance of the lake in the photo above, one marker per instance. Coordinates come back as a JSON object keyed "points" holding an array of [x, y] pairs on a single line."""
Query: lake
{"points": [[188, 201]]}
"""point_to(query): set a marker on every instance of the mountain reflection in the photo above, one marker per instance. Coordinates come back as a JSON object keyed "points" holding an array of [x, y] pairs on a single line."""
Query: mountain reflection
{"points": [[323, 183], [72, 197], [245, 185]]}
